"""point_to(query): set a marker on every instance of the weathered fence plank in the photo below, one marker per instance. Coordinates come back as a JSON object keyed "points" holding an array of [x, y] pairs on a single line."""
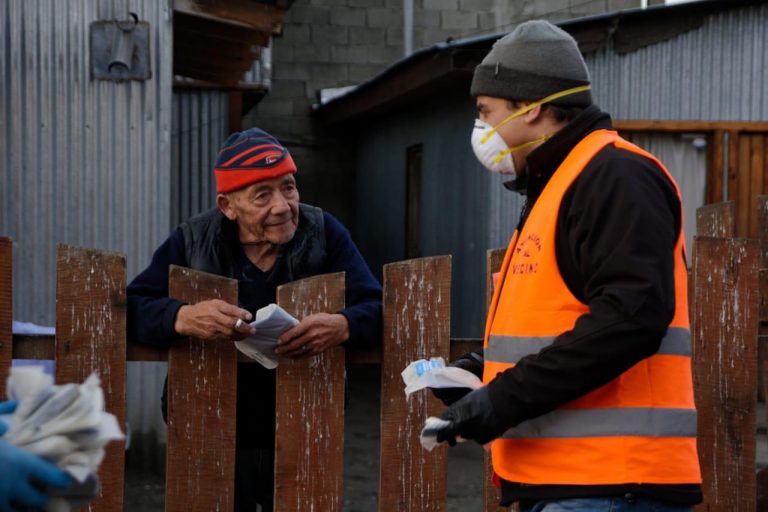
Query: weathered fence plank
{"points": [[417, 301], [309, 451], [90, 337], [491, 494], [716, 220], [6, 310], [202, 385], [762, 234], [725, 369]]}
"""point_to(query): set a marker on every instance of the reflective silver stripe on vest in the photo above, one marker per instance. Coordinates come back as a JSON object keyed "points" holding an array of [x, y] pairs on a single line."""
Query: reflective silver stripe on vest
{"points": [[511, 349], [629, 421]]}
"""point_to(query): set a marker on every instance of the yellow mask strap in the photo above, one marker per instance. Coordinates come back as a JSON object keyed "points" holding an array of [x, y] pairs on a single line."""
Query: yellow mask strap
{"points": [[525, 110], [524, 145]]}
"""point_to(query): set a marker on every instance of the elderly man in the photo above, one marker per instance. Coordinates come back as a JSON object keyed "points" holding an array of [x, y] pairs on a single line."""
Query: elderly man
{"points": [[262, 236], [588, 402]]}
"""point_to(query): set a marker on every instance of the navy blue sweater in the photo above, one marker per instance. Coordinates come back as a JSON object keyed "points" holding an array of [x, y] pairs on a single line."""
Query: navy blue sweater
{"points": [[151, 315]]}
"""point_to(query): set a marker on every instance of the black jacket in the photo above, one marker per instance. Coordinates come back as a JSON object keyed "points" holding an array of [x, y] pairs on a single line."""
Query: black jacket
{"points": [[615, 235]]}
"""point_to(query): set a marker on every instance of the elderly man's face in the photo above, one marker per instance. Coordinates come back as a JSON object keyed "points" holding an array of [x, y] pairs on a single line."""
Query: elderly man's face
{"points": [[267, 211]]}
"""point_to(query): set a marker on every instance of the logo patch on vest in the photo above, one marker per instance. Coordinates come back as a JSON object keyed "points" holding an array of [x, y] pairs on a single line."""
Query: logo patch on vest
{"points": [[527, 250]]}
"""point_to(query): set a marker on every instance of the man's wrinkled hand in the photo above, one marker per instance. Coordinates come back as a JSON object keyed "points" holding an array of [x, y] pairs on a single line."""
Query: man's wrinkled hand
{"points": [[314, 334], [213, 320], [471, 417]]}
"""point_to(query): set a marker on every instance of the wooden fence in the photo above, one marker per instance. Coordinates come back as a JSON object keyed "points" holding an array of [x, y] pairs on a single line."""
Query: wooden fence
{"points": [[726, 303]]}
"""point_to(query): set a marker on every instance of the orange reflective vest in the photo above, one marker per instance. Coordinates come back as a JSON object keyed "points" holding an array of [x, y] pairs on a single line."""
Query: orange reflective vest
{"points": [[638, 428]]}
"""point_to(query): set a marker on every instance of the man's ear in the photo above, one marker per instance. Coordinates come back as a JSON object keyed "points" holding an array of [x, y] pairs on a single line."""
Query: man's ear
{"points": [[224, 202], [535, 114]]}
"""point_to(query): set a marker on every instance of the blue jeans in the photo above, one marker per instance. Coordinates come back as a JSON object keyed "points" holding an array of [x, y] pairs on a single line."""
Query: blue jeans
{"points": [[629, 503]]}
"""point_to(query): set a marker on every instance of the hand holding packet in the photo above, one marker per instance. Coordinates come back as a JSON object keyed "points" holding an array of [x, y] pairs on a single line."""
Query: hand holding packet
{"points": [[434, 374], [271, 321]]}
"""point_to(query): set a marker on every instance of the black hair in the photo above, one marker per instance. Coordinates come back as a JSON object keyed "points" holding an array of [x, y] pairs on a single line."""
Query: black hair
{"points": [[560, 113]]}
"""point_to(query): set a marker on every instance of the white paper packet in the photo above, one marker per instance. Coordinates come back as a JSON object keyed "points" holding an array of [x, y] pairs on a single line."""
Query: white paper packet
{"points": [[271, 321], [434, 374]]}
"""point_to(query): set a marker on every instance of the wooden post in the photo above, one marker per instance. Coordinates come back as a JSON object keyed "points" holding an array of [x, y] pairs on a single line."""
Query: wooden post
{"points": [[417, 301], [202, 387], [716, 220], [762, 234], [309, 431], [491, 494], [6, 311], [725, 369], [90, 337]]}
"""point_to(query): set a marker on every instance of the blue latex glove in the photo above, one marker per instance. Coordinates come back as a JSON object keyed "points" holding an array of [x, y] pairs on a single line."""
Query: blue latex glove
{"points": [[6, 408], [23, 475]]}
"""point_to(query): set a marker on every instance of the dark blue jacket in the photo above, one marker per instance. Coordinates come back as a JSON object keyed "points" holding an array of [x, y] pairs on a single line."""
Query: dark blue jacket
{"points": [[151, 313]]}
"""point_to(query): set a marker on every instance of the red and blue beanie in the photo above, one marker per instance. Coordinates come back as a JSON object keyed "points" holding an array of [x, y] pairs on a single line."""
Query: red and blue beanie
{"points": [[250, 156]]}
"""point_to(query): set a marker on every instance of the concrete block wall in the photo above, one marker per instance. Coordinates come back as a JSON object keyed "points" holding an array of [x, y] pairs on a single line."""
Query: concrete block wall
{"points": [[336, 43]]}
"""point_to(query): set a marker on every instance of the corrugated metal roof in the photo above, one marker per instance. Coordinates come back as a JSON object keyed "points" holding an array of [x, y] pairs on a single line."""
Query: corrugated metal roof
{"points": [[83, 162], [717, 72]]}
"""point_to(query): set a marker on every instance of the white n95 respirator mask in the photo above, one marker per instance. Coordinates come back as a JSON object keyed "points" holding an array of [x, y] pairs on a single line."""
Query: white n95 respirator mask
{"points": [[491, 151]]}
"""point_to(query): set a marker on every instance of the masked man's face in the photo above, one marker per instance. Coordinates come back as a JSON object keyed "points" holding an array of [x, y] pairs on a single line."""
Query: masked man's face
{"points": [[266, 211]]}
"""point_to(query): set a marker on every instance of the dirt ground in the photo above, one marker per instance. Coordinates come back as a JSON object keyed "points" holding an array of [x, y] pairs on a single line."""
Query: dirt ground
{"points": [[145, 489]]}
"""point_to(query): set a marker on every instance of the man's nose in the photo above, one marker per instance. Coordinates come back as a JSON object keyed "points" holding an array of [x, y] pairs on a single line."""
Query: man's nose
{"points": [[280, 205]]}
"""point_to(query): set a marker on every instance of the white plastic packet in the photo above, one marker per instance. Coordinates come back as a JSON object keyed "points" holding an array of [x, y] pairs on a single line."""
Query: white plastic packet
{"points": [[434, 374], [66, 425], [428, 436], [271, 321]]}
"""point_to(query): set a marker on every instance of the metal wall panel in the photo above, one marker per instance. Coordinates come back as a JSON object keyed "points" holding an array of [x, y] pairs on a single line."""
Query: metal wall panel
{"points": [[83, 162], [199, 127], [460, 206], [716, 72]]}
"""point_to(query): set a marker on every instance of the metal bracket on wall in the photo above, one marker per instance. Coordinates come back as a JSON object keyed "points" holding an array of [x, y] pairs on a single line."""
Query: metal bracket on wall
{"points": [[120, 50]]}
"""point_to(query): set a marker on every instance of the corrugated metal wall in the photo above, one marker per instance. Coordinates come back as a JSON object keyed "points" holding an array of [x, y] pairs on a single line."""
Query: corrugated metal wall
{"points": [[717, 72], [83, 162], [455, 204], [200, 125]]}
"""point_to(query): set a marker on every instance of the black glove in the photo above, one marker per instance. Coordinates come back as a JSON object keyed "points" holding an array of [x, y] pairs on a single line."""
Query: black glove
{"points": [[472, 417], [472, 362]]}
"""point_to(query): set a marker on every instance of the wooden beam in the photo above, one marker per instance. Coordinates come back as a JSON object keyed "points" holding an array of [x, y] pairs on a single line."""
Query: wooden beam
{"points": [[309, 420], [222, 32], [6, 311], [90, 337], [655, 125], [243, 13], [762, 232], [715, 150], [234, 54], [758, 168], [202, 385], [417, 298], [725, 369]]}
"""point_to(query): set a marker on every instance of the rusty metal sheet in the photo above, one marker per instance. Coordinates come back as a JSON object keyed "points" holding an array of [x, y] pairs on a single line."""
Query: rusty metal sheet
{"points": [[417, 301], [491, 493], [725, 369], [202, 388], [90, 337], [6, 310], [309, 432]]}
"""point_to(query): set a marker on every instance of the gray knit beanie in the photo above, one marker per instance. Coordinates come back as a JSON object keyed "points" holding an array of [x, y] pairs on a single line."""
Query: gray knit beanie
{"points": [[533, 61]]}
